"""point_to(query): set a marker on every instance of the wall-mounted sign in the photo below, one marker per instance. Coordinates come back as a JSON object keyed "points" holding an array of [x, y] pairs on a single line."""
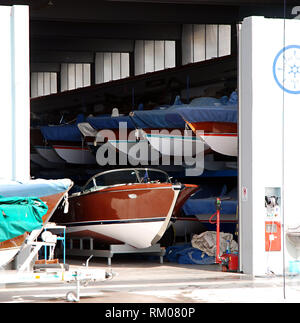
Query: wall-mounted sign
{"points": [[286, 69]]}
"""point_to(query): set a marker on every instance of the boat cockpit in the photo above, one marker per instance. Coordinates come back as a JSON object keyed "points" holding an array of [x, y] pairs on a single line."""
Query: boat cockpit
{"points": [[126, 176]]}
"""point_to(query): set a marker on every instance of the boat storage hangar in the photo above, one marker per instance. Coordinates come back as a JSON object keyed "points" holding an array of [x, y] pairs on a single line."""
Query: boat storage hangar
{"points": [[226, 72]]}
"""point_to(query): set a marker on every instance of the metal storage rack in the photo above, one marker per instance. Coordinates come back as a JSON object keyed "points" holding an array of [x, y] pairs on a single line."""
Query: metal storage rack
{"points": [[113, 249], [57, 229]]}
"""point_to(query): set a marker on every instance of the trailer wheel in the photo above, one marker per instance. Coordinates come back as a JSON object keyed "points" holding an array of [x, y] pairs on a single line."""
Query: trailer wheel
{"points": [[71, 297]]}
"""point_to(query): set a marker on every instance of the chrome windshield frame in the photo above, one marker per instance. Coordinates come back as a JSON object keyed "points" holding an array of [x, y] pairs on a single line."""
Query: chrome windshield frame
{"points": [[136, 170]]}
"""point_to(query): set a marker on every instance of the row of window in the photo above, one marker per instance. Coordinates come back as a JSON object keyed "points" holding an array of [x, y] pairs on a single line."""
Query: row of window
{"points": [[202, 42], [199, 43], [153, 55]]}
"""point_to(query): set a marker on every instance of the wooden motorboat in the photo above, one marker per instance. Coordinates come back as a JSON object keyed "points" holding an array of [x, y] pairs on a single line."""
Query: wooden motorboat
{"points": [[132, 206], [220, 137], [74, 153], [51, 192], [118, 134], [48, 156], [68, 144], [167, 132], [215, 124]]}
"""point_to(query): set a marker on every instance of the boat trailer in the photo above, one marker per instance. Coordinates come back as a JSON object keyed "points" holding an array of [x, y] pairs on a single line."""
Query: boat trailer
{"points": [[50, 272]]}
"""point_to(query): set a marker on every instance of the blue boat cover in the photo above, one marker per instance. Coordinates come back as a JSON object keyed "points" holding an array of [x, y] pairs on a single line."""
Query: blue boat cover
{"points": [[207, 114], [34, 188], [205, 101], [157, 118], [210, 101], [204, 109], [63, 132], [186, 254], [100, 122], [208, 206], [198, 204]]}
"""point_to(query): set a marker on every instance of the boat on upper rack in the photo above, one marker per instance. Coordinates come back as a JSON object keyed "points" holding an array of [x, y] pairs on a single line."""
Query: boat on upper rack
{"points": [[170, 136], [117, 134], [41, 152], [130, 206], [68, 143], [214, 122], [25, 209]]}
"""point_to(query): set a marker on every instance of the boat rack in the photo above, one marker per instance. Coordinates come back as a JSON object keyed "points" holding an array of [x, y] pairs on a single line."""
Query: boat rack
{"points": [[113, 249], [30, 250]]}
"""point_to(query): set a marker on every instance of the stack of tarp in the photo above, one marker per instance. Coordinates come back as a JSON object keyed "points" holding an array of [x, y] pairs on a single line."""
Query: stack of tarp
{"points": [[202, 249], [206, 241]]}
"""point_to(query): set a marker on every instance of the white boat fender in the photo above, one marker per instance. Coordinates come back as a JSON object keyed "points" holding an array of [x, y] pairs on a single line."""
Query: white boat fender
{"points": [[48, 237], [66, 203]]}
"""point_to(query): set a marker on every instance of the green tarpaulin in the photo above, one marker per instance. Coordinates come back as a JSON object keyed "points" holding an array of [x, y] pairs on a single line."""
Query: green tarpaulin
{"points": [[19, 215]]}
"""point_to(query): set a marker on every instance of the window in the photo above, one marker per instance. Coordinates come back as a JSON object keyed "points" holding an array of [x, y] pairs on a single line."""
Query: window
{"points": [[147, 176], [111, 66], [116, 178], [89, 186], [74, 76], [202, 42], [153, 55], [43, 83]]}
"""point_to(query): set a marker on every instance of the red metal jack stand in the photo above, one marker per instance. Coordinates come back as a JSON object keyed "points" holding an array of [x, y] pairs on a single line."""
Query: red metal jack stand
{"points": [[229, 261], [217, 222]]}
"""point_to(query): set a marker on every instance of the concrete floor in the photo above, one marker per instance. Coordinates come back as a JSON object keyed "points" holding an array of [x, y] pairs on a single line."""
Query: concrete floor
{"points": [[144, 282], [147, 281]]}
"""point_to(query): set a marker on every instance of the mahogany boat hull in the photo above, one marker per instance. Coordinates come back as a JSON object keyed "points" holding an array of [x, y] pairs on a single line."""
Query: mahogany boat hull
{"points": [[136, 214], [221, 137]]}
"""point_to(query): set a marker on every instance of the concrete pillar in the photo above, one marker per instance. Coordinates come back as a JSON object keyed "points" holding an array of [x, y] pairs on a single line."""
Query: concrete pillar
{"points": [[14, 99], [269, 92]]}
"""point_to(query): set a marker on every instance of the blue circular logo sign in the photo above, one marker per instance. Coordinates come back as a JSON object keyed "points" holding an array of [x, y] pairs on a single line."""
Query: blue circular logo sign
{"points": [[286, 69]]}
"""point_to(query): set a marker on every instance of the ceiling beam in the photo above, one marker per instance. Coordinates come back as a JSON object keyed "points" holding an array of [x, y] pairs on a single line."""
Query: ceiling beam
{"points": [[59, 29], [213, 2], [81, 45], [45, 67], [61, 57], [146, 11], [121, 12]]}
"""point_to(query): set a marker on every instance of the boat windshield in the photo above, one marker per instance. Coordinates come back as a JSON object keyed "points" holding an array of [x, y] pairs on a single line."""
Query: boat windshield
{"points": [[116, 178], [152, 175], [126, 176]]}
